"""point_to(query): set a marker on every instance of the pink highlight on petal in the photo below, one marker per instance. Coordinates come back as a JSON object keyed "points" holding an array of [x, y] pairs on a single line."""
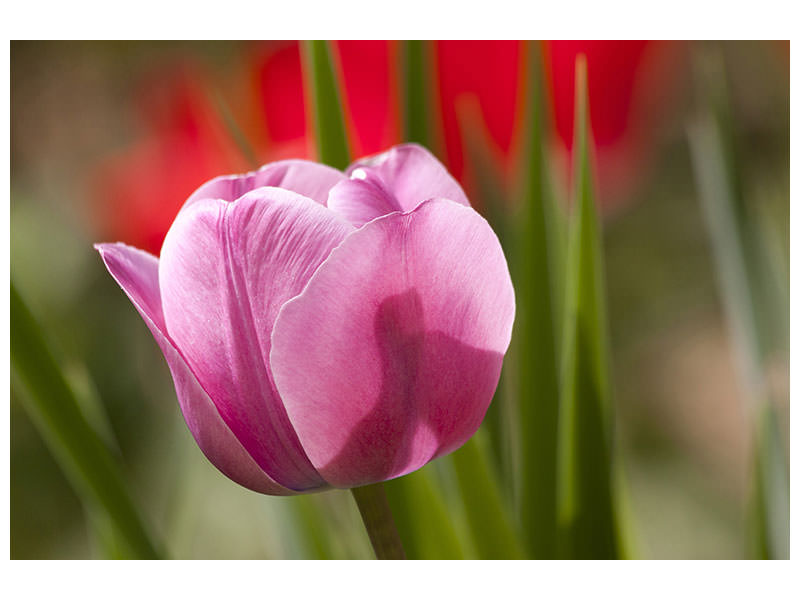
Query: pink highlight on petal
{"points": [[399, 179], [304, 177]]}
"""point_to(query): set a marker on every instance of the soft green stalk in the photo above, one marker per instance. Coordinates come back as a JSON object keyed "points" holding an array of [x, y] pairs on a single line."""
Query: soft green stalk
{"points": [[91, 468], [752, 296], [377, 517], [538, 278], [588, 520], [489, 517], [326, 105]]}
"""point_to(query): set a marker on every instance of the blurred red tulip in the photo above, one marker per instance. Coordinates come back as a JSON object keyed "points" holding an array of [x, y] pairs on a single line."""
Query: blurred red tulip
{"points": [[488, 72], [630, 84], [185, 141], [137, 191]]}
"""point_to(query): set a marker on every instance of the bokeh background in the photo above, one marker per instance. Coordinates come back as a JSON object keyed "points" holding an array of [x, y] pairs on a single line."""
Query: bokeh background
{"points": [[109, 138]]}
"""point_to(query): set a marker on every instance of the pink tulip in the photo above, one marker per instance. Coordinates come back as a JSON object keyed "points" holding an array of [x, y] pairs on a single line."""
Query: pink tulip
{"points": [[326, 328]]}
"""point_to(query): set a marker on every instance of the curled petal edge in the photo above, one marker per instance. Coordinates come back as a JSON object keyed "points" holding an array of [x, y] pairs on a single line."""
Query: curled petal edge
{"points": [[136, 272]]}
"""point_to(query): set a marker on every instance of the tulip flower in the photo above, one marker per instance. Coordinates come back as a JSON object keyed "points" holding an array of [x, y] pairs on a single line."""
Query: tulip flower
{"points": [[327, 329]]}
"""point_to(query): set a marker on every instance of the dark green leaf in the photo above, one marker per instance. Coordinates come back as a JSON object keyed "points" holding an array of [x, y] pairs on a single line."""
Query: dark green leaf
{"points": [[416, 92], [489, 516], [588, 519], [326, 105], [49, 400], [422, 516], [538, 278]]}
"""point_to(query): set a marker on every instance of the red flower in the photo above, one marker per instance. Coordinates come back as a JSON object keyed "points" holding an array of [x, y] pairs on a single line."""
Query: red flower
{"points": [[630, 83], [137, 192], [185, 141]]}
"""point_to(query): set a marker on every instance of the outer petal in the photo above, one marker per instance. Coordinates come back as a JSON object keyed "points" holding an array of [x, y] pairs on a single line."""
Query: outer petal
{"points": [[307, 178], [226, 269], [137, 274], [397, 180], [391, 354]]}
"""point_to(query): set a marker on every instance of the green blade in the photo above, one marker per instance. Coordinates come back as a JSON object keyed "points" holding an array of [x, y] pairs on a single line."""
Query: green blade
{"points": [[753, 298], [769, 503], [422, 517], [489, 193], [538, 278], [488, 515], [91, 468], [416, 92], [326, 105], [588, 520]]}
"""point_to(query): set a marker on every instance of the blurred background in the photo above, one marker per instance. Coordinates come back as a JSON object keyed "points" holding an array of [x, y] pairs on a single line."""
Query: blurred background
{"points": [[109, 138]]}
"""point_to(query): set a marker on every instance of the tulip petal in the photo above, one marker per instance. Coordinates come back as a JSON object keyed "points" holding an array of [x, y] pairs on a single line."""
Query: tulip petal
{"points": [[137, 274], [392, 353], [226, 269], [307, 178], [400, 179]]}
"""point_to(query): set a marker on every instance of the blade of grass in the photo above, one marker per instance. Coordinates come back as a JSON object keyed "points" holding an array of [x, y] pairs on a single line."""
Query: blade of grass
{"points": [[416, 92], [90, 466], [752, 299], [538, 280], [588, 520], [422, 517], [491, 524], [769, 502], [326, 104], [489, 193]]}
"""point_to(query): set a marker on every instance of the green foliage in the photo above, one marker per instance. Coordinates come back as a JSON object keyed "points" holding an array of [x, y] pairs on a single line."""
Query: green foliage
{"points": [[587, 514], [416, 92], [753, 295], [93, 470], [491, 525], [538, 275], [326, 105]]}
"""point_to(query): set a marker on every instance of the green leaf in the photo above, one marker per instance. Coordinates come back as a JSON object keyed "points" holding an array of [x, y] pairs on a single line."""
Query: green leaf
{"points": [[489, 517], [92, 469], [538, 277], [326, 105], [416, 92], [769, 504], [587, 514], [422, 517], [489, 194], [752, 294]]}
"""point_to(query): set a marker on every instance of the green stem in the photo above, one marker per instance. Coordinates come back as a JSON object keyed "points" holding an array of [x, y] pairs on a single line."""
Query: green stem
{"points": [[377, 516]]}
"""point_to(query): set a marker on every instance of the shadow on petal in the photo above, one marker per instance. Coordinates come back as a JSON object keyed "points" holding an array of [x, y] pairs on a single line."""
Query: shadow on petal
{"points": [[433, 397]]}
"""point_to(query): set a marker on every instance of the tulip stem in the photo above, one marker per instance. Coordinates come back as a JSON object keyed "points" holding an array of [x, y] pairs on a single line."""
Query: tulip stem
{"points": [[377, 516]]}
